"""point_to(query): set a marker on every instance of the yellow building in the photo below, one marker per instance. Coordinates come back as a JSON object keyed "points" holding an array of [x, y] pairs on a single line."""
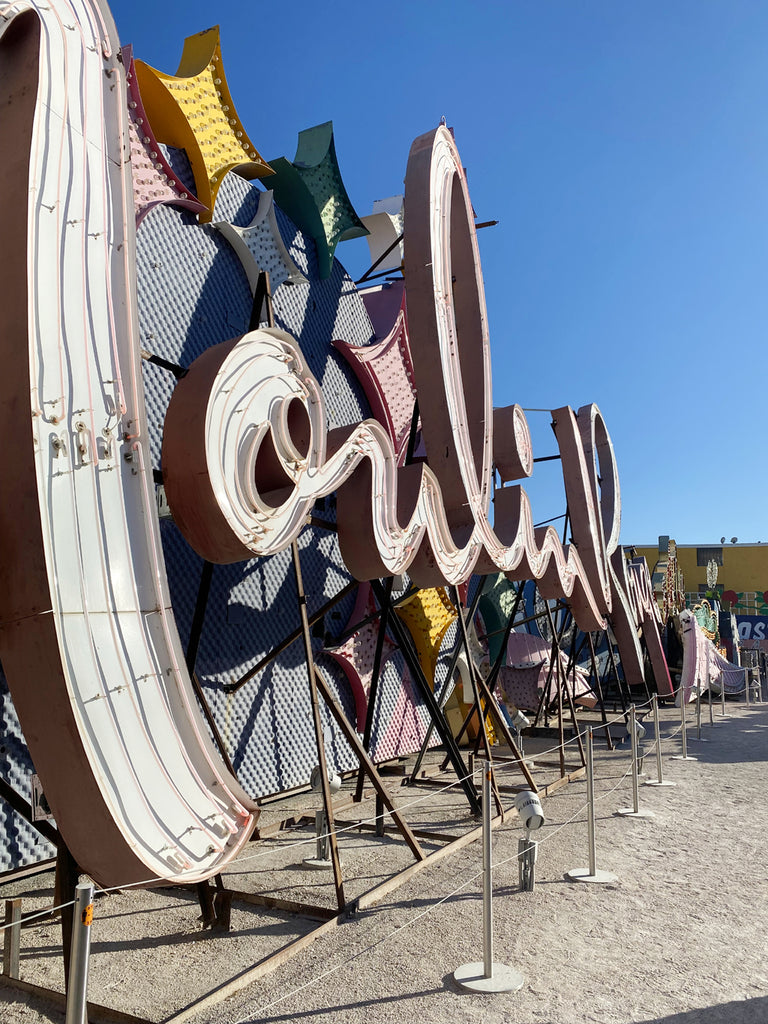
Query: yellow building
{"points": [[742, 569]]}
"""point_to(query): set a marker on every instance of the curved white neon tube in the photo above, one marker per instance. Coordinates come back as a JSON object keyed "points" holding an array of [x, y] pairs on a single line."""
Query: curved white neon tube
{"points": [[180, 814]]}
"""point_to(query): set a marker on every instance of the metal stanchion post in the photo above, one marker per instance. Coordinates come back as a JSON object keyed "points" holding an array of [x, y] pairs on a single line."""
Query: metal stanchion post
{"points": [[82, 916], [699, 737], [634, 811], [722, 699], [660, 781], [590, 874], [746, 685], [487, 874], [321, 860], [683, 732], [711, 714], [684, 724], [487, 976], [698, 713]]}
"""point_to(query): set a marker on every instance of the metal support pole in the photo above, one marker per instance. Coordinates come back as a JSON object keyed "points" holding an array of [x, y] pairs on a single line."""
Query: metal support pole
{"points": [[683, 731], [615, 671], [527, 851], [486, 976], [425, 691], [67, 877], [363, 757], [321, 840], [321, 832], [448, 683], [633, 744], [634, 811], [698, 714], [486, 690], [318, 726], [746, 684], [659, 771], [591, 874], [464, 640], [374, 684], [709, 694], [379, 814], [487, 874], [82, 916], [598, 686], [12, 938], [722, 699], [591, 802]]}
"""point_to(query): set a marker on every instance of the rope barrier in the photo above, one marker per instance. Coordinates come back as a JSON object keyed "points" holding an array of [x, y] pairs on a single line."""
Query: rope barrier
{"points": [[252, 1015], [258, 1012], [311, 840]]}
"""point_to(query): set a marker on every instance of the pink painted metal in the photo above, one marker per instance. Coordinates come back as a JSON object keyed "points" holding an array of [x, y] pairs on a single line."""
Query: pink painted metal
{"points": [[591, 481], [523, 679], [385, 370], [647, 615], [407, 728], [154, 180], [356, 654]]}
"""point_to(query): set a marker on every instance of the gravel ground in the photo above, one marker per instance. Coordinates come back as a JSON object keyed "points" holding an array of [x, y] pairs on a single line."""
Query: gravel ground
{"points": [[678, 938]]}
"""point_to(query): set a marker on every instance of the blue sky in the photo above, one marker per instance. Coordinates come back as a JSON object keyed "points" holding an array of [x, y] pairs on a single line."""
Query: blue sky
{"points": [[623, 148]]}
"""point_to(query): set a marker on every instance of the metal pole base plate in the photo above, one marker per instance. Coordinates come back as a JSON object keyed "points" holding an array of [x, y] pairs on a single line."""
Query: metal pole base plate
{"points": [[630, 812], [503, 978], [655, 782], [584, 875], [318, 863], [680, 757]]}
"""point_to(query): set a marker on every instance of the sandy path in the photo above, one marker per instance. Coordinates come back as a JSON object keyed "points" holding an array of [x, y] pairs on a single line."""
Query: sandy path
{"points": [[679, 938]]}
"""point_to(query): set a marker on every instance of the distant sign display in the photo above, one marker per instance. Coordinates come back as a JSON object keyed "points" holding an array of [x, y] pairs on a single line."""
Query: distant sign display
{"points": [[752, 627]]}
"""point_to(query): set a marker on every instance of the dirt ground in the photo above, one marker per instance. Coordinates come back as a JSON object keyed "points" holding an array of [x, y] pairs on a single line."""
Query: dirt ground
{"points": [[679, 938]]}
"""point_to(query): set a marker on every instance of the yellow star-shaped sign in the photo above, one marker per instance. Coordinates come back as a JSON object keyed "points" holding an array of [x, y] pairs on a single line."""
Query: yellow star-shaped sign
{"points": [[193, 110], [428, 614]]}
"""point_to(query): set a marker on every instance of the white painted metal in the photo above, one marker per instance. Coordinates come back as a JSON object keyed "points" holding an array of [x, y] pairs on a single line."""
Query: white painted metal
{"points": [[177, 807]]}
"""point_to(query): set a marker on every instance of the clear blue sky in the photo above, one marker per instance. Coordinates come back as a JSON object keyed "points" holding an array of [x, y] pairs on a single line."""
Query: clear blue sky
{"points": [[623, 147]]}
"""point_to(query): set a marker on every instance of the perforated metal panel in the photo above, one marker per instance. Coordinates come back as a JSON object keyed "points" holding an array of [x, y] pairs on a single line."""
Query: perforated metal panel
{"points": [[20, 843]]}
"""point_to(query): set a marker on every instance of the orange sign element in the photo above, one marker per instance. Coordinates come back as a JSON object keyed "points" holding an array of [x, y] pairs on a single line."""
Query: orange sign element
{"points": [[193, 110]]}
